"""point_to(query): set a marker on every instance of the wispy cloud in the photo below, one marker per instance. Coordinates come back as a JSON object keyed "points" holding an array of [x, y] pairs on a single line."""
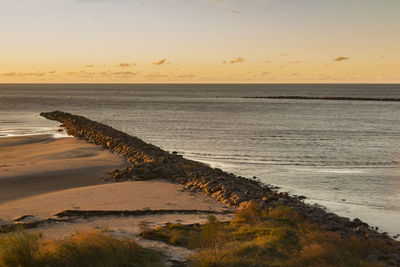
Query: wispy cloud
{"points": [[237, 12], [24, 74], [341, 58], [9, 74], [184, 76], [156, 75], [124, 73], [108, 73], [88, 66], [160, 62], [81, 73], [237, 60], [124, 64]]}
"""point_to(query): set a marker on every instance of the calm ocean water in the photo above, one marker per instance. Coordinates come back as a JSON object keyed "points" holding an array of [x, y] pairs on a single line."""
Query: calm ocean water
{"points": [[342, 154]]}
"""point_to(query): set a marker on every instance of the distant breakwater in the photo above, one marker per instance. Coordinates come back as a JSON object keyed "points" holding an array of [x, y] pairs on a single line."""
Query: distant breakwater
{"points": [[326, 98], [150, 162]]}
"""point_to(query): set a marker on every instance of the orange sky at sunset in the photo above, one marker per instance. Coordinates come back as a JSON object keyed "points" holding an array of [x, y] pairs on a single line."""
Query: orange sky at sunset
{"points": [[260, 41]]}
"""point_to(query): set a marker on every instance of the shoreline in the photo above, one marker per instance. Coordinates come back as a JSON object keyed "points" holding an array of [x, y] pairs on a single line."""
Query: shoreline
{"points": [[148, 161], [342, 209], [385, 221], [156, 188], [53, 135], [55, 186]]}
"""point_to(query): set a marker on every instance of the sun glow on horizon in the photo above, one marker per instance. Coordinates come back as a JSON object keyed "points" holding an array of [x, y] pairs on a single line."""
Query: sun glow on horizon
{"points": [[205, 41]]}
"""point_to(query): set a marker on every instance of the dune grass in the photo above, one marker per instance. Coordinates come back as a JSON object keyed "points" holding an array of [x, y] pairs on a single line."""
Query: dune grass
{"points": [[82, 249], [278, 237]]}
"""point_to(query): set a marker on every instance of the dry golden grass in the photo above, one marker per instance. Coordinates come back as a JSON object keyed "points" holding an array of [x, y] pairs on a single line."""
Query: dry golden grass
{"points": [[82, 249], [256, 237]]}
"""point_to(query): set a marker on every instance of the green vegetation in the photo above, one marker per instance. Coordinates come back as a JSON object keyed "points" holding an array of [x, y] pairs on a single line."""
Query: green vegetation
{"points": [[82, 249], [278, 237]]}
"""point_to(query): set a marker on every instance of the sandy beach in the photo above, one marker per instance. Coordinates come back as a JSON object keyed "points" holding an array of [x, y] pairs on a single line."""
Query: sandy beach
{"points": [[38, 164], [59, 187], [41, 176]]}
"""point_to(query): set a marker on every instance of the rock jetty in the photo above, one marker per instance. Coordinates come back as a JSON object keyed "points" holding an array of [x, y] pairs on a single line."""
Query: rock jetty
{"points": [[150, 162]]}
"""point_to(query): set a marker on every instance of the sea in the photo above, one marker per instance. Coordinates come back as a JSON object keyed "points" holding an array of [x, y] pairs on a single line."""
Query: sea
{"points": [[341, 154]]}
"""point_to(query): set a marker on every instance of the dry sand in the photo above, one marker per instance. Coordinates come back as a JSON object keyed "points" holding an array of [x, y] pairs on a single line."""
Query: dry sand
{"points": [[42, 176], [136, 195], [33, 165]]}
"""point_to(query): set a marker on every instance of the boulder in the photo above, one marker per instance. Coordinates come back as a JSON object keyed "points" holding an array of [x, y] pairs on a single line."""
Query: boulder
{"points": [[4, 223], [28, 219], [372, 258]]}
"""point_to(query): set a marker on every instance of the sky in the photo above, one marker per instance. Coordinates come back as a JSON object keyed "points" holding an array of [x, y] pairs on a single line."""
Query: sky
{"points": [[200, 41]]}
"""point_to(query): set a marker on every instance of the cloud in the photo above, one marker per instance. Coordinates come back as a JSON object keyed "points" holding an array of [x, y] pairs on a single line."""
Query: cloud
{"points": [[107, 73], [88, 66], [81, 73], [118, 73], [223, 62], [24, 74], [156, 75], [285, 54], [183, 76], [124, 65], [160, 62], [237, 12], [237, 60], [10, 74], [294, 62], [341, 58], [124, 73]]}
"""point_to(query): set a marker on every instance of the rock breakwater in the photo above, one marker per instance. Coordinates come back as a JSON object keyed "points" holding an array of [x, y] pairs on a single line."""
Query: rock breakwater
{"points": [[150, 162]]}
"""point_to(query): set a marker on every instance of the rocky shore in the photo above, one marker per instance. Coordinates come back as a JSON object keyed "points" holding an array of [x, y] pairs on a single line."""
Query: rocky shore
{"points": [[150, 162]]}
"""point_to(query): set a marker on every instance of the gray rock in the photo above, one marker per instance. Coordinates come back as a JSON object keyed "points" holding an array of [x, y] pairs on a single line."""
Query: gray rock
{"points": [[28, 219], [395, 257], [372, 258], [391, 262], [4, 223]]}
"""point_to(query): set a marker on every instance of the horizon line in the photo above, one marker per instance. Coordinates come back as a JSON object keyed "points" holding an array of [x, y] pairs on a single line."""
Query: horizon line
{"points": [[260, 83]]}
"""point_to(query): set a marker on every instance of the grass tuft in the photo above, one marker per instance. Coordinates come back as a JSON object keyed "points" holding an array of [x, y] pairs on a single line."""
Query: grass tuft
{"points": [[256, 237], [82, 249]]}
